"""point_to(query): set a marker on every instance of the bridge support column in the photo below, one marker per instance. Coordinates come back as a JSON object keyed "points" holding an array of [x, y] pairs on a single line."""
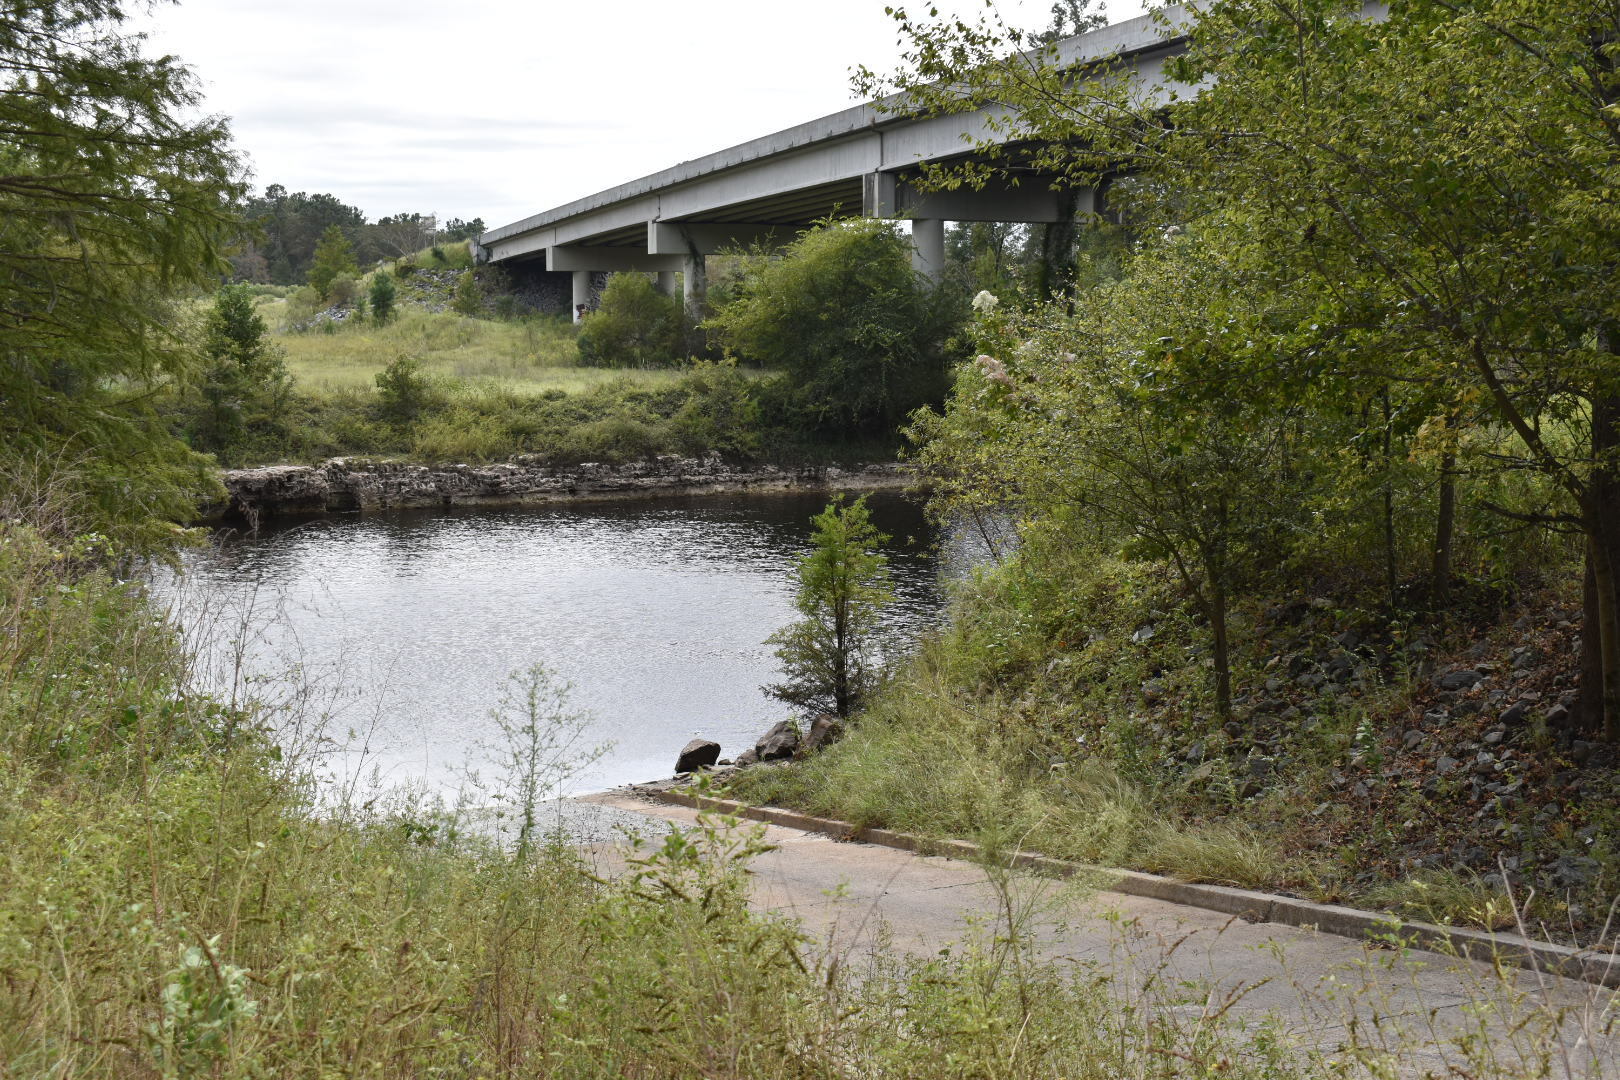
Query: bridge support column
{"points": [[928, 247], [582, 291], [695, 282], [666, 282]]}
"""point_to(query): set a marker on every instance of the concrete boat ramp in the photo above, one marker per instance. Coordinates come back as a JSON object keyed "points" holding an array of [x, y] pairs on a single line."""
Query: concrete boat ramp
{"points": [[855, 900]]}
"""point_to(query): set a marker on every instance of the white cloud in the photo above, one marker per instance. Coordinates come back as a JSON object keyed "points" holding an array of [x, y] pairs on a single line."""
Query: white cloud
{"points": [[500, 108]]}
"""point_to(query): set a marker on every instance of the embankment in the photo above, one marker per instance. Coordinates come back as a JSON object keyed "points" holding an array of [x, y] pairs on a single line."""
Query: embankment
{"points": [[345, 484]]}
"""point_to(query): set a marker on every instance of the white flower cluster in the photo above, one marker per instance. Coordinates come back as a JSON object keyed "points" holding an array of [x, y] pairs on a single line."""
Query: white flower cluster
{"points": [[985, 302], [994, 369]]}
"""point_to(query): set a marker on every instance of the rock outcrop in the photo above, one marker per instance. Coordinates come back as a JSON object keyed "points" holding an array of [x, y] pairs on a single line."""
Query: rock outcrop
{"points": [[346, 484]]}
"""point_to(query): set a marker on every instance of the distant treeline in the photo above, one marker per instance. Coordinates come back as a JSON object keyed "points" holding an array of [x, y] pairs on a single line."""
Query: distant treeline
{"points": [[284, 229]]}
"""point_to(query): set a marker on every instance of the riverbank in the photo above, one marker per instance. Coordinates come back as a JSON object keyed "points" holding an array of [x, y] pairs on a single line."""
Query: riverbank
{"points": [[348, 484]]}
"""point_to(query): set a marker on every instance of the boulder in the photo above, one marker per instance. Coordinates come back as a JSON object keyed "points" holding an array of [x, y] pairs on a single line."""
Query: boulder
{"points": [[697, 754], [825, 730], [747, 757], [779, 743], [1459, 680]]}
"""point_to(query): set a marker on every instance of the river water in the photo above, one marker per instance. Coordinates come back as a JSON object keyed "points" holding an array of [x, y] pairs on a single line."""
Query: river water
{"points": [[388, 639]]}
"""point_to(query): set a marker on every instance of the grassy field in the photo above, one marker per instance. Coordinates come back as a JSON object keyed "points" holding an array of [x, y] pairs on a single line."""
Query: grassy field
{"points": [[529, 356]]}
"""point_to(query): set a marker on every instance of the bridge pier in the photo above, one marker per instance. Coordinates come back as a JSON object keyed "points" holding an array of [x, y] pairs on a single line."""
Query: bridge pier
{"points": [[695, 282], [666, 282], [582, 291], [928, 247]]}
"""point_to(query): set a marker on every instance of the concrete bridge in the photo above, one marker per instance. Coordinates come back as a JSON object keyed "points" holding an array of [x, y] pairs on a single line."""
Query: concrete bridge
{"points": [[861, 161]]}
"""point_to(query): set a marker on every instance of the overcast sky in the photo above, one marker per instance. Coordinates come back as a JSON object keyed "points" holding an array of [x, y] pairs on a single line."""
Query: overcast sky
{"points": [[503, 108]]}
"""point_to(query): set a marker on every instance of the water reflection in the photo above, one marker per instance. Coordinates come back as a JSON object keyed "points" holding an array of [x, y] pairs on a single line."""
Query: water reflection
{"points": [[656, 611]]}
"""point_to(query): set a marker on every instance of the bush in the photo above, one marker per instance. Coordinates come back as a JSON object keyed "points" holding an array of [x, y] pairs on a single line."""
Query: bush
{"points": [[721, 411], [858, 333], [469, 298], [343, 291], [461, 435], [404, 390], [634, 326]]}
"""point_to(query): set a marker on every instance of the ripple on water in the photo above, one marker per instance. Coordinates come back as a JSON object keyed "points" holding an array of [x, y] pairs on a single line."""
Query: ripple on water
{"points": [[655, 610]]}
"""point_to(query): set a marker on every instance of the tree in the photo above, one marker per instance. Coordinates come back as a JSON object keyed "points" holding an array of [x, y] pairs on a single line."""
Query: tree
{"points": [[333, 258], [1123, 416], [831, 656], [115, 196], [469, 298], [634, 325], [858, 334], [455, 229], [245, 383], [1455, 234], [382, 296], [285, 228]]}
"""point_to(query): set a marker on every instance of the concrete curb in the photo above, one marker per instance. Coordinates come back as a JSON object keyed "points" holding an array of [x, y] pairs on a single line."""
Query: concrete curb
{"points": [[1600, 968]]}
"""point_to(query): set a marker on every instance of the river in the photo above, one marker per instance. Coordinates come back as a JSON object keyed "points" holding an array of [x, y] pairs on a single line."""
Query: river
{"points": [[384, 641]]}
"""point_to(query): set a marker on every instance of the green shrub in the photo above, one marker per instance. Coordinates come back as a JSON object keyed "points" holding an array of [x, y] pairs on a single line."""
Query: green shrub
{"points": [[859, 335], [635, 325], [404, 391], [721, 411], [461, 435], [343, 291], [469, 298]]}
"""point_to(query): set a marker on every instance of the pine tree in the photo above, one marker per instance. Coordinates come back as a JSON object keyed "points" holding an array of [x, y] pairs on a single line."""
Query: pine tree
{"points": [[831, 656], [333, 256], [382, 296]]}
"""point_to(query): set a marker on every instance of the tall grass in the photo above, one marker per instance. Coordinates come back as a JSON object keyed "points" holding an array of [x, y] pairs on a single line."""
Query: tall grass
{"points": [[528, 355]]}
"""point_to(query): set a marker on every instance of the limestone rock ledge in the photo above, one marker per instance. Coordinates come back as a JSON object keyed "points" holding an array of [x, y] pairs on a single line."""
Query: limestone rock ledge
{"points": [[344, 484]]}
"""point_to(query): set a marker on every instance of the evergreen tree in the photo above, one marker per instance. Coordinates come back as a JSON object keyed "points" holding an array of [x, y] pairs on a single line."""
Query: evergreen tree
{"points": [[114, 197], [469, 298], [333, 257], [245, 385], [382, 296], [831, 656]]}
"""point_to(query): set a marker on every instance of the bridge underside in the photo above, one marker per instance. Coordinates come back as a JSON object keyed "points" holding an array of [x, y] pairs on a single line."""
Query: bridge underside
{"points": [[669, 245], [863, 161]]}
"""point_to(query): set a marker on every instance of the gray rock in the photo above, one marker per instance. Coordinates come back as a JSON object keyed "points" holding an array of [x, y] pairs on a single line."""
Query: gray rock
{"points": [[779, 743], [697, 754], [1514, 714], [1574, 871], [1143, 635], [1412, 739], [1446, 765], [1558, 717], [1311, 680], [1458, 680], [747, 757], [1493, 737], [824, 731]]}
